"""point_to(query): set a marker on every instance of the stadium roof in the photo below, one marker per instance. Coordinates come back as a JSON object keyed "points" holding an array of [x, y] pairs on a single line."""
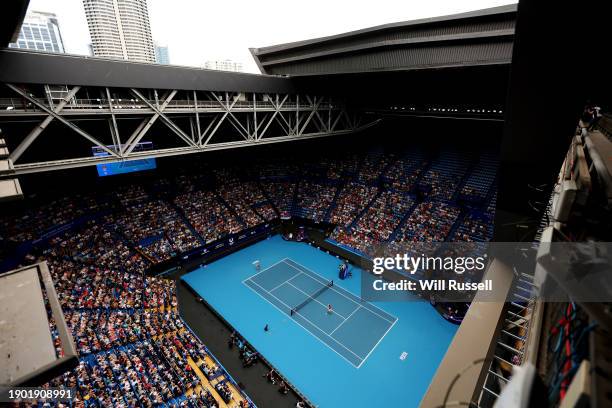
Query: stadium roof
{"points": [[481, 37], [31, 67]]}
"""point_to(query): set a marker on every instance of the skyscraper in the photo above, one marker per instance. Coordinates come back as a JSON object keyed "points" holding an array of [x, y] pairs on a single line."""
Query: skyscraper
{"points": [[120, 29], [40, 31], [161, 54]]}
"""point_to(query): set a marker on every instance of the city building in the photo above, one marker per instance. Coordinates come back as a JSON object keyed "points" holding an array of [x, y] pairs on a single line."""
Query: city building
{"points": [[40, 31], [120, 29], [161, 54], [224, 65]]}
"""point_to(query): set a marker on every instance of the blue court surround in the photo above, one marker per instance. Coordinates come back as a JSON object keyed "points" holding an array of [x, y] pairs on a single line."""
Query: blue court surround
{"points": [[363, 354]]}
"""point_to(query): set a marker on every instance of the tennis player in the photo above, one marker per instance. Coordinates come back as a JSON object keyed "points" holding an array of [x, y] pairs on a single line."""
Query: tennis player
{"points": [[330, 309]]}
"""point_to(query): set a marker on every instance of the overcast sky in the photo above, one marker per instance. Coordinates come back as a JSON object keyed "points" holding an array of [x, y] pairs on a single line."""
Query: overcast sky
{"points": [[200, 30]]}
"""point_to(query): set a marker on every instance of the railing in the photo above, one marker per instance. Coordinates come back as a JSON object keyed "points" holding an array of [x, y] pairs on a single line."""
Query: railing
{"points": [[22, 105], [518, 336], [510, 348]]}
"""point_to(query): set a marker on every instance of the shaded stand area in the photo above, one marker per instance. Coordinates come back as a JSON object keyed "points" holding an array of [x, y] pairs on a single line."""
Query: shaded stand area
{"points": [[214, 332]]}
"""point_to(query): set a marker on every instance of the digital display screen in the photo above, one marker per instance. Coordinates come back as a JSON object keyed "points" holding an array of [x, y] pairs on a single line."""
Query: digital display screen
{"points": [[123, 167]]}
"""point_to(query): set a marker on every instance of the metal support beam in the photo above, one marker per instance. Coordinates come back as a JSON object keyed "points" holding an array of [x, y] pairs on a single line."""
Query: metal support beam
{"points": [[164, 118], [309, 118], [277, 108], [16, 154], [197, 116], [61, 119], [233, 118], [295, 117], [115, 128]]}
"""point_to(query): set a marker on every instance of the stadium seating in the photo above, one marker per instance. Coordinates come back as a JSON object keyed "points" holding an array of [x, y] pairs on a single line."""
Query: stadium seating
{"points": [[429, 222], [375, 226], [404, 172], [374, 165], [474, 228], [210, 218], [244, 198], [313, 200], [205, 207], [351, 202], [134, 348], [341, 167], [281, 193], [444, 175], [480, 179]]}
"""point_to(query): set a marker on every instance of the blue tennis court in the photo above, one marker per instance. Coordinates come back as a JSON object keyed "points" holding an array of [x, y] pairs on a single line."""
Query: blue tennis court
{"points": [[386, 352], [352, 329]]}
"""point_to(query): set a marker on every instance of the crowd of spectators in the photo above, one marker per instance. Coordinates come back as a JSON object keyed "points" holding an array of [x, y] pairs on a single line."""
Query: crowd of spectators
{"points": [[431, 221], [134, 348], [266, 211], [243, 197], [157, 229], [374, 165], [474, 228], [443, 178], [148, 372], [375, 226], [281, 193], [283, 168], [313, 200], [53, 330], [351, 201], [208, 215], [132, 194], [342, 167], [492, 203], [170, 216], [33, 222], [403, 174]]}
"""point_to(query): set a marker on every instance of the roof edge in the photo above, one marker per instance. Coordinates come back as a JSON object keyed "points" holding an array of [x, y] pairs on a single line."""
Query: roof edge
{"points": [[499, 10]]}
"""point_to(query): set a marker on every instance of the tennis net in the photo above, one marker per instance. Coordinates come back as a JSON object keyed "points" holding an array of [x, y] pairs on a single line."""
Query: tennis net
{"points": [[310, 298]]}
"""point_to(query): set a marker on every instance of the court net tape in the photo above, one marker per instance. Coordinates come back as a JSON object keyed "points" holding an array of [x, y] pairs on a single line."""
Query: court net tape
{"points": [[310, 298]]}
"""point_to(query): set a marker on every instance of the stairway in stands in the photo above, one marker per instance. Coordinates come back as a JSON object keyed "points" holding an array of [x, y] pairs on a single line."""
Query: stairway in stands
{"points": [[364, 211], [264, 193], [184, 218], [230, 209], [334, 202], [402, 222], [457, 224]]}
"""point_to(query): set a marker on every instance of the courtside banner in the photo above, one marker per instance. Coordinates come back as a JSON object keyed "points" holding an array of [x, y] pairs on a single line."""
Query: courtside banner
{"points": [[494, 272]]}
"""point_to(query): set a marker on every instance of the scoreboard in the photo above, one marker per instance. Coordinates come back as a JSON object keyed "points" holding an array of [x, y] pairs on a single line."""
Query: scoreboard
{"points": [[122, 167]]}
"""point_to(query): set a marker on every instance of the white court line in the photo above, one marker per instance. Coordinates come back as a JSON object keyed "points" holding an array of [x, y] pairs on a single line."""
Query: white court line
{"points": [[349, 316], [317, 327], [340, 293], [310, 296], [377, 343], [353, 300], [287, 281], [361, 304], [260, 272]]}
